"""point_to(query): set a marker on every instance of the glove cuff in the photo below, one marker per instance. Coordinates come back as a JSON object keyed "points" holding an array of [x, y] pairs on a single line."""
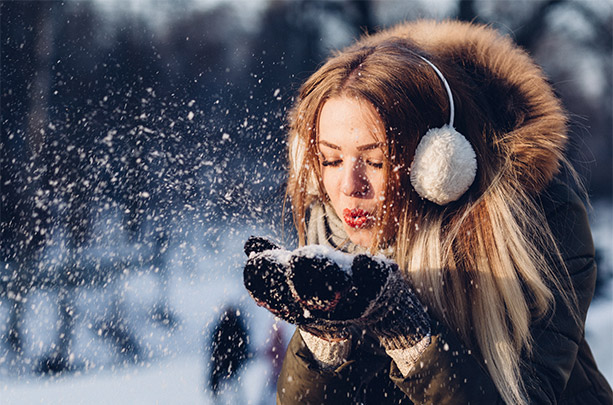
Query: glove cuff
{"points": [[406, 358], [403, 322], [328, 354]]}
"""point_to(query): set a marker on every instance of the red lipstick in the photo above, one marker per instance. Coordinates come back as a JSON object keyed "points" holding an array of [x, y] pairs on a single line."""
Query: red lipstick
{"points": [[356, 217]]}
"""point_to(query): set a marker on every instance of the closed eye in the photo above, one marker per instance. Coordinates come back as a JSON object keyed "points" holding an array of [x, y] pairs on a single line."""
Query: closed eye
{"points": [[332, 163], [376, 165]]}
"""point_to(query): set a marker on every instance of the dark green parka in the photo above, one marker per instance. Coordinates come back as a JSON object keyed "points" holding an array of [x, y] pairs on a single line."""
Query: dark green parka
{"points": [[561, 370]]}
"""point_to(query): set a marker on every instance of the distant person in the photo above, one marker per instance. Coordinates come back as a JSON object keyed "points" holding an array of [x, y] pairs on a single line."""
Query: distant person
{"points": [[449, 255], [230, 350]]}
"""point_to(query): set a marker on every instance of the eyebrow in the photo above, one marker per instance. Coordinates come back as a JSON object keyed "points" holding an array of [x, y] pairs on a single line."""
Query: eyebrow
{"points": [[361, 148]]}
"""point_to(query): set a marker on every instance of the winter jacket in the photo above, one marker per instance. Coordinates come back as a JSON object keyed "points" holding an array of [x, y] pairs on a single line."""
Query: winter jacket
{"points": [[561, 370]]}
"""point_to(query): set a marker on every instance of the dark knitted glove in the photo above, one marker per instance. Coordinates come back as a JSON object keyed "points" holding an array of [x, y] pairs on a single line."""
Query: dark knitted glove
{"points": [[267, 278], [325, 291]]}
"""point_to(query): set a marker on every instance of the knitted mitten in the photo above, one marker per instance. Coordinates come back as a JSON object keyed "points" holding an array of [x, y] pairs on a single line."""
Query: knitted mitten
{"points": [[267, 278], [324, 291], [376, 296]]}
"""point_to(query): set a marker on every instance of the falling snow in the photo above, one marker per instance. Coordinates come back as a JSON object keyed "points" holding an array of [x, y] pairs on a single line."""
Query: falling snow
{"points": [[141, 146]]}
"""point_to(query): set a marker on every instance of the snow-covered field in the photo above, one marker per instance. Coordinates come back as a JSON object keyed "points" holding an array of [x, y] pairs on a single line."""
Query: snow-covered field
{"points": [[177, 380], [179, 377], [176, 364]]}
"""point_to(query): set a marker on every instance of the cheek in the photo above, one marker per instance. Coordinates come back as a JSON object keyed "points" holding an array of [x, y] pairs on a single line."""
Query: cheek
{"points": [[379, 185], [329, 179]]}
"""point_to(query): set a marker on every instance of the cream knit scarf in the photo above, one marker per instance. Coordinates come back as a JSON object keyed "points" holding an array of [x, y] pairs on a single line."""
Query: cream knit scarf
{"points": [[324, 227]]}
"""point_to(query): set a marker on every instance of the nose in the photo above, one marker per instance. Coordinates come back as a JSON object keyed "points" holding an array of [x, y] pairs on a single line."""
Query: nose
{"points": [[355, 182]]}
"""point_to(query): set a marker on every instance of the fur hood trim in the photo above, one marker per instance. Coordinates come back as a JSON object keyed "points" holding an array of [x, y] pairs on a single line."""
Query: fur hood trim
{"points": [[530, 128]]}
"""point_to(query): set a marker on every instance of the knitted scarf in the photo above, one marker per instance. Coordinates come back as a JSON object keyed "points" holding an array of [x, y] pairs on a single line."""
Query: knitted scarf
{"points": [[324, 227]]}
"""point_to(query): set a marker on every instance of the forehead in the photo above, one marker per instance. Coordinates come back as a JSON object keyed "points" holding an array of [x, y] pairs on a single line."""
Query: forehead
{"points": [[347, 120]]}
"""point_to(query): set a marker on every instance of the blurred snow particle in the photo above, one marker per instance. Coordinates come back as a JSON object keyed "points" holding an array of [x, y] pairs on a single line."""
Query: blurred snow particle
{"points": [[190, 115]]}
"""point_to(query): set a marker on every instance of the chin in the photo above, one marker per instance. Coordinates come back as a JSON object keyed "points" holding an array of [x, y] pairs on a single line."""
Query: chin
{"points": [[361, 238]]}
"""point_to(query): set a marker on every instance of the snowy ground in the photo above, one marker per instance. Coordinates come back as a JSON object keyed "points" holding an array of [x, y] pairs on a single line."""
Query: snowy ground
{"points": [[177, 377], [180, 379], [178, 359], [173, 381]]}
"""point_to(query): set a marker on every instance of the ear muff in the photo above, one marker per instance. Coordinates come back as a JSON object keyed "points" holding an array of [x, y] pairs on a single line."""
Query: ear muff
{"points": [[444, 165]]}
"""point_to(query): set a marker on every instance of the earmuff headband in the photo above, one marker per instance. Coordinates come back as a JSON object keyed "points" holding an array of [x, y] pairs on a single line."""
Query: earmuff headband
{"points": [[447, 88], [444, 165]]}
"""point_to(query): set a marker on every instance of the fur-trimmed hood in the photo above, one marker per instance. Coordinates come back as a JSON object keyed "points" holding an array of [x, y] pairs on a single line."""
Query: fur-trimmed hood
{"points": [[530, 125]]}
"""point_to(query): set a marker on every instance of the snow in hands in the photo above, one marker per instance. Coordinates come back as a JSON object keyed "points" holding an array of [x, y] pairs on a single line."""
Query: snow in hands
{"points": [[314, 283]]}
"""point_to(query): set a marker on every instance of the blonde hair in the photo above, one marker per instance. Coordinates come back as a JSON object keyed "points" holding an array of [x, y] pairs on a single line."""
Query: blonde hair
{"points": [[482, 264]]}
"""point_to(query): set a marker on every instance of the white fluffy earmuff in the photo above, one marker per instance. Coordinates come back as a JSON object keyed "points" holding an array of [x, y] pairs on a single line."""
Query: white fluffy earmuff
{"points": [[444, 165]]}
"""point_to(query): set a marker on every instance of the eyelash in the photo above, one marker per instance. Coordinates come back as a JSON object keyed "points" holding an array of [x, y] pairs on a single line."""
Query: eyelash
{"points": [[335, 163], [332, 163]]}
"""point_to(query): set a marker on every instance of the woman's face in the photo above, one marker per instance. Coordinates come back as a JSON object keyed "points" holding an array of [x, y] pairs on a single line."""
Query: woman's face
{"points": [[351, 140]]}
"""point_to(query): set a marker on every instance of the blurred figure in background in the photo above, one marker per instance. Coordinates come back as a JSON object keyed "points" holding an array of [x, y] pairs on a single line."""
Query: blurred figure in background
{"points": [[230, 351]]}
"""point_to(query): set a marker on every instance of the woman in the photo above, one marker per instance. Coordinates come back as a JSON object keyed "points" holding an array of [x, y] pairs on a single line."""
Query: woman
{"points": [[438, 145]]}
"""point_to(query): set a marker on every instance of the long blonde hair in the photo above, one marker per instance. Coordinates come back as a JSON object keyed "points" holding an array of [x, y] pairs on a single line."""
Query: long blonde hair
{"points": [[482, 264]]}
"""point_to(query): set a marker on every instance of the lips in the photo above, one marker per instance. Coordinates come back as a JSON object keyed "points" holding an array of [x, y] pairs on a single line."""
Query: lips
{"points": [[356, 217]]}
